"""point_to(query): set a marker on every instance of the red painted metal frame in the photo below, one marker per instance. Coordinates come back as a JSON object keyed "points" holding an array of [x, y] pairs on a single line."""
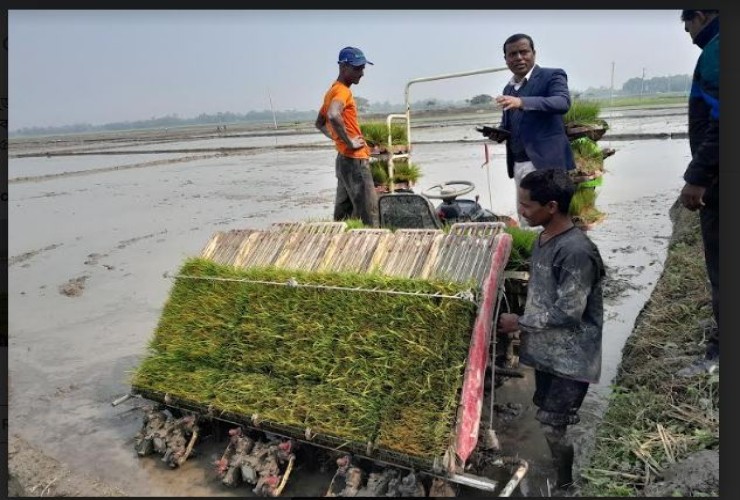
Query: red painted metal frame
{"points": [[471, 399]]}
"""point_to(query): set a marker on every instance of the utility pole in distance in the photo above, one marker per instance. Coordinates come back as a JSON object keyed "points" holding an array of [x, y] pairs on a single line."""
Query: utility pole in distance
{"points": [[611, 89], [274, 120], [642, 83]]}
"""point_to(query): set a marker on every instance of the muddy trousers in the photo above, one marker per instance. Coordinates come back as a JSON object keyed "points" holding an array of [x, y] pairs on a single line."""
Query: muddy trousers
{"points": [[562, 452], [356, 197]]}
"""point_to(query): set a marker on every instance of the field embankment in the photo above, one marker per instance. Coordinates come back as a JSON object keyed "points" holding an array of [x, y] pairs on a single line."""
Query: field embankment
{"points": [[660, 433]]}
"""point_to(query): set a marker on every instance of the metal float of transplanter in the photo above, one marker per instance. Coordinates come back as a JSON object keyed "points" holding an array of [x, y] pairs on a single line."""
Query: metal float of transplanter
{"points": [[266, 465], [351, 480], [171, 437]]}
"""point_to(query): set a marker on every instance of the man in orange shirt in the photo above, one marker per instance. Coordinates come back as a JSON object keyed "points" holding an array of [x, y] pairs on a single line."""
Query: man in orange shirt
{"points": [[337, 119]]}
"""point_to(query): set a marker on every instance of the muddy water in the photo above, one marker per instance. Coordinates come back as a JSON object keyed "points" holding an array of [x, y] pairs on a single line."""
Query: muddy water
{"points": [[116, 233]]}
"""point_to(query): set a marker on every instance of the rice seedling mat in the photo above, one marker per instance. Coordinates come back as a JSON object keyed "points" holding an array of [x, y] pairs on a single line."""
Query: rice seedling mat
{"points": [[362, 339]]}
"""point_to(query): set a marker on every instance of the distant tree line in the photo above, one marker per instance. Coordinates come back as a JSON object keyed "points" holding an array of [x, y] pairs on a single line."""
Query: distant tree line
{"points": [[633, 86], [171, 121], [638, 86]]}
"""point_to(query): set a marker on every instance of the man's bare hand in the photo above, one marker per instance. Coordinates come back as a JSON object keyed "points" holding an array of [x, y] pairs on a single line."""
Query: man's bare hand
{"points": [[357, 142], [507, 102], [691, 196], [508, 322]]}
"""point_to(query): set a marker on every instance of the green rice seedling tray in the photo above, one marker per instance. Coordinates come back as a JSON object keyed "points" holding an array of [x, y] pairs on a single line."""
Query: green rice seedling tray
{"points": [[343, 339]]}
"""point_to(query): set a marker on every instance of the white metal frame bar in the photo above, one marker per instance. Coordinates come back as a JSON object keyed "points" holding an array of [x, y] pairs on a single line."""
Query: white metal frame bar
{"points": [[407, 116]]}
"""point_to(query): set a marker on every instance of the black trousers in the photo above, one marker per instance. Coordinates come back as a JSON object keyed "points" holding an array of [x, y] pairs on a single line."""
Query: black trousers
{"points": [[709, 219]]}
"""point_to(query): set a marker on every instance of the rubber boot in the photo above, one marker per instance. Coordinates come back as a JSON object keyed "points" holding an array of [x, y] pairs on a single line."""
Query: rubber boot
{"points": [[562, 457], [562, 454]]}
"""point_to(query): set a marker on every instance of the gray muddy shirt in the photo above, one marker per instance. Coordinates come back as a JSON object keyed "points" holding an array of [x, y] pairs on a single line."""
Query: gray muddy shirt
{"points": [[564, 314]]}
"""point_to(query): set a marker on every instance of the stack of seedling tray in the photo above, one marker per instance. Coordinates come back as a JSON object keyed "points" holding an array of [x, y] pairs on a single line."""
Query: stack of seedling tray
{"points": [[367, 340]]}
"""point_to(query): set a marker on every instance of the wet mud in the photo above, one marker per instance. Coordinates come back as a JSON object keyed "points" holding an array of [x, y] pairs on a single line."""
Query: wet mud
{"points": [[91, 256]]}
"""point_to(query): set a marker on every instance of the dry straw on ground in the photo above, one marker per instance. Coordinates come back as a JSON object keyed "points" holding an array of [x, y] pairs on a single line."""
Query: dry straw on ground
{"points": [[655, 418]]}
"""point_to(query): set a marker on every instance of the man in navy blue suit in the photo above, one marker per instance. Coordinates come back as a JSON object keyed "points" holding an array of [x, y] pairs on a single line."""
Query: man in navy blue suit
{"points": [[533, 103]]}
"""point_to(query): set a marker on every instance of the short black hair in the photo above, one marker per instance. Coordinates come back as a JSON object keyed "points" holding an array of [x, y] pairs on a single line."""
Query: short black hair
{"points": [[550, 185], [516, 37], [689, 14]]}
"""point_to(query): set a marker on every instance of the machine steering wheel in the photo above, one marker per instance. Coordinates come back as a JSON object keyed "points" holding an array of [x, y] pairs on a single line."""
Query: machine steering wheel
{"points": [[446, 190]]}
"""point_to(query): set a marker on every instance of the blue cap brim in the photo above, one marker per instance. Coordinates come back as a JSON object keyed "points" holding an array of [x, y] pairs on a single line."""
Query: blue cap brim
{"points": [[357, 63]]}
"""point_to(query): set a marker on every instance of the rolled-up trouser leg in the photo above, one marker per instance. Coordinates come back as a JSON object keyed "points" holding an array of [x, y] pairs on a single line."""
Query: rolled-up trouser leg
{"points": [[558, 399]]}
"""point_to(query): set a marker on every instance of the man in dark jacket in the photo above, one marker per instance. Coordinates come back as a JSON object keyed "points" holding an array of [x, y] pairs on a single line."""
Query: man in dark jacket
{"points": [[701, 191], [533, 103]]}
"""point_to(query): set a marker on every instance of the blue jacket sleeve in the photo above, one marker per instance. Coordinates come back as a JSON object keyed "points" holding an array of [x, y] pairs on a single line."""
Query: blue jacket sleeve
{"points": [[556, 98], [704, 119]]}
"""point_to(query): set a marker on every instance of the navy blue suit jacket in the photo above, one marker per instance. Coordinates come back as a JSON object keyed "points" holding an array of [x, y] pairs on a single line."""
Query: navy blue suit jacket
{"points": [[546, 99]]}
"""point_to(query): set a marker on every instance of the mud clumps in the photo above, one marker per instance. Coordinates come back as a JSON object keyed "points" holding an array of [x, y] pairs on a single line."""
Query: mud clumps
{"points": [[93, 259], [25, 256], [74, 287], [698, 473]]}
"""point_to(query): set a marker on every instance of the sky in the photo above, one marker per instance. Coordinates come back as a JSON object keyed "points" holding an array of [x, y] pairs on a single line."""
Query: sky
{"points": [[103, 66]]}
